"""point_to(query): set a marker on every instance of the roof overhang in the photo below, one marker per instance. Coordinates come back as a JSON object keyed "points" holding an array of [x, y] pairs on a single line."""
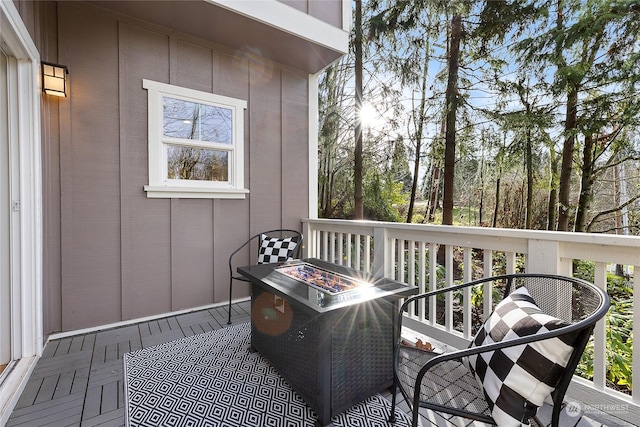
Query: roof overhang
{"points": [[266, 27]]}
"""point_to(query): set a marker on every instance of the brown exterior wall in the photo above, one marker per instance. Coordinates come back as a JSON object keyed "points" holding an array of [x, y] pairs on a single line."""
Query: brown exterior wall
{"points": [[110, 253]]}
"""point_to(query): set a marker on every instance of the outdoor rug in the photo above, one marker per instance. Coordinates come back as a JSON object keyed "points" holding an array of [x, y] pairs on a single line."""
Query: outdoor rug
{"points": [[212, 379]]}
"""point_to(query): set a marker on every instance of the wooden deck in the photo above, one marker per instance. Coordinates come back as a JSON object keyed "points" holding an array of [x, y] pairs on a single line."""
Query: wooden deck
{"points": [[79, 380]]}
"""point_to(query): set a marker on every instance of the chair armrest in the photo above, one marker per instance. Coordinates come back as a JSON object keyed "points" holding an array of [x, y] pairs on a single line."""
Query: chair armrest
{"points": [[233, 254]]}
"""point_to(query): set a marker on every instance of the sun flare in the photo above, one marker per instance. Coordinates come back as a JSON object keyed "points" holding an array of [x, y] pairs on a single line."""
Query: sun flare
{"points": [[368, 115]]}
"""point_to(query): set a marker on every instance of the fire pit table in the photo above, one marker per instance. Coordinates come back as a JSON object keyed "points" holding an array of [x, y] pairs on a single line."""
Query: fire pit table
{"points": [[327, 329]]}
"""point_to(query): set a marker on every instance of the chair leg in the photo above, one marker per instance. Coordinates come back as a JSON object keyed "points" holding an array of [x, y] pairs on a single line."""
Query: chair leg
{"points": [[394, 390], [415, 409], [230, 289], [555, 415], [416, 415]]}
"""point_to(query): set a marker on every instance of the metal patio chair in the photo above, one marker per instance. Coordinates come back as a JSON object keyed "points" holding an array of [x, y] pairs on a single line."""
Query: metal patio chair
{"points": [[273, 246], [504, 363]]}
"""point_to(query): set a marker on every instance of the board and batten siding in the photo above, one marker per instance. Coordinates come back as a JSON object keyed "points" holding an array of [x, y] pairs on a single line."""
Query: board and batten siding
{"points": [[111, 253]]}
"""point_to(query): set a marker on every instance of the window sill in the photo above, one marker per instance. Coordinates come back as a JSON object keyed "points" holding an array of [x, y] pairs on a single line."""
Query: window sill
{"points": [[194, 193]]}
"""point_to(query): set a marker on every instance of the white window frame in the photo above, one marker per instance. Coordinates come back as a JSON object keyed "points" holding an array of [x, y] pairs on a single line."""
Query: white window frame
{"points": [[159, 184]]}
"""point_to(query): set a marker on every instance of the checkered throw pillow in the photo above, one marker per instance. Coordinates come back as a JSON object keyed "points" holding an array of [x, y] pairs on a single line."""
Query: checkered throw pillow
{"points": [[273, 250], [517, 380]]}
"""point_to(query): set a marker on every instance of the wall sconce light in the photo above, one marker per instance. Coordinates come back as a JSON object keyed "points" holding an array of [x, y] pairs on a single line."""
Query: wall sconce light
{"points": [[54, 79]]}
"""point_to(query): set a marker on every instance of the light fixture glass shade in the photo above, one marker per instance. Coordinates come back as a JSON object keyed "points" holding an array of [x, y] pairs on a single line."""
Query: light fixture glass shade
{"points": [[54, 79]]}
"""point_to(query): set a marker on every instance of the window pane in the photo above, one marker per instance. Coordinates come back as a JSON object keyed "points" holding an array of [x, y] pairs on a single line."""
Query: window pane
{"points": [[200, 122], [197, 164], [180, 118], [216, 124]]}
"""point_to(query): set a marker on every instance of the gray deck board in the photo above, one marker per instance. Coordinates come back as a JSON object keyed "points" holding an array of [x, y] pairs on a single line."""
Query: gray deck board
{"points": [[64, 384], [47, 389], [106, 373], [79, 381], [92, 402], [109, 397], [76, 344], [53, 365], [59, 412], [63, 347], [110, 419], [50, 349], [29, 394]]}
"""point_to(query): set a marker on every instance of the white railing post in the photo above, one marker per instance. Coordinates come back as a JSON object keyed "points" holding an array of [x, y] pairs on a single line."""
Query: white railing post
{"points": [[367, 254], [468, 254], [422, 271], [309, 241], [381, 253], [543, 256], [448, 278], [600, 334]]}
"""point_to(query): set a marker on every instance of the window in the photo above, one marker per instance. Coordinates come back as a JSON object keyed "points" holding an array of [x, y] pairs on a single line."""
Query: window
{"points": [[196, 143]]}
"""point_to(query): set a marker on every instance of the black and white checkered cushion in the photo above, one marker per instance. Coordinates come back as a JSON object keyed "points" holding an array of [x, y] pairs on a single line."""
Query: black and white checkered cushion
{"points": [[517, 380], [273, 250]]}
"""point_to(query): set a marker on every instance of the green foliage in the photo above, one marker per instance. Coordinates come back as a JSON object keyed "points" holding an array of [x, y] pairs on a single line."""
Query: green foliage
{"points": [[440, 272], [381, 197], [400, 171], [500, 263], [584, 270], [619, 330], [418, 219]]}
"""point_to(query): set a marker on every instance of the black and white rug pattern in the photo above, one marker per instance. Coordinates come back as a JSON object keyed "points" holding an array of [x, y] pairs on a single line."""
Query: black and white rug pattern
{"points": [[211, 379]]}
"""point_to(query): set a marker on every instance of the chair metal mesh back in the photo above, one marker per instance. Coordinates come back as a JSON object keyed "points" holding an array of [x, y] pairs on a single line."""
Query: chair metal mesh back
{"points": [[566, 299]]}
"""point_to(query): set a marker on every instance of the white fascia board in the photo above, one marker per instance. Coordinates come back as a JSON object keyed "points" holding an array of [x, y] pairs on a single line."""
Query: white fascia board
{"points": [[292, 21]]}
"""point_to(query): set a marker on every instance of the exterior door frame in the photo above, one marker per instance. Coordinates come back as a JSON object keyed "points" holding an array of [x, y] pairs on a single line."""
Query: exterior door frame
{"points": [[6, 341], [25, 250]]}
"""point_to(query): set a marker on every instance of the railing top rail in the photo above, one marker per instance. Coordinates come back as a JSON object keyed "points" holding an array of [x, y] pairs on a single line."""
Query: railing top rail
{"points": [[564, 236]]}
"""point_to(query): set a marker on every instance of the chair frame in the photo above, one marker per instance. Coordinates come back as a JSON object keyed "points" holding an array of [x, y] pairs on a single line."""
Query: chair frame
{"points": [[281, 232], [582, 328]]}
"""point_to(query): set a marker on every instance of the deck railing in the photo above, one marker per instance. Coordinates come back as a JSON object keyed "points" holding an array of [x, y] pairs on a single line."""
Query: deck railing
{"points": [[425, 255]]}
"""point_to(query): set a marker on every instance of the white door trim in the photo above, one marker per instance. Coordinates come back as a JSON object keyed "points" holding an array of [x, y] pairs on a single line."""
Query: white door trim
{"points": [[26, 196]]}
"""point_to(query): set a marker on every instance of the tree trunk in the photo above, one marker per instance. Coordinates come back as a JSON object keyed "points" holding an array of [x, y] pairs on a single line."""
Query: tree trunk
{"points": [[481, 207], [553, 189], [586, 184], [419, 129], [358, 207], [567, 159], [328, 138], [617, 201], [434, 197], [529, 162], [451, 98], [496, 208]]}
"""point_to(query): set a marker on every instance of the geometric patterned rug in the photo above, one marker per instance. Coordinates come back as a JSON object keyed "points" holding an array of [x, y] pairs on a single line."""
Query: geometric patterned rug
{"points": [[212, 380]]}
